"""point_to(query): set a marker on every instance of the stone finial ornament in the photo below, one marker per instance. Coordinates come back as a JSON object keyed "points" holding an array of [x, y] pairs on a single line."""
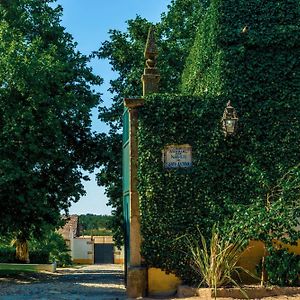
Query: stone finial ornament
{"points": [[151, 76], [151, 49]]}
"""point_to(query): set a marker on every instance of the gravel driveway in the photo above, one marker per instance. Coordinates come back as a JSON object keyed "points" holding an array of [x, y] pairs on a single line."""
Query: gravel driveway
{"points": [[101, 282], [86, 282]]}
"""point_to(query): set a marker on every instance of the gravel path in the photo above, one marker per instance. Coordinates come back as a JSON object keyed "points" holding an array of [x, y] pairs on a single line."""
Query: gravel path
{"points": [[102, 282]]}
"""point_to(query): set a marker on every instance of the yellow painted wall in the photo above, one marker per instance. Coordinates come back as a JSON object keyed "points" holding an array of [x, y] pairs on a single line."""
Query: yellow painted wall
{"points": [[119, 261], [255, 251], [103, 239], [160, 283], [250, 258], [119, 255], [83, 261], [252, 255], [294, 249]]}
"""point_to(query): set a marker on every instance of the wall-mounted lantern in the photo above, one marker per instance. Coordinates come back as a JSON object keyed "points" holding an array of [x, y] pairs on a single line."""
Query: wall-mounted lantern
{"points": [[229, 120]]}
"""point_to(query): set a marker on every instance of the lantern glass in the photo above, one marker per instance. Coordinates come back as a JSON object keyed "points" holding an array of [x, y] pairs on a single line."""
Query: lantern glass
{"points": [[230, 125]]}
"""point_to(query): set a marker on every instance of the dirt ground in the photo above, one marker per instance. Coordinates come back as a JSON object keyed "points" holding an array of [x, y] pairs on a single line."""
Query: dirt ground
{"points": [[101, 282]]}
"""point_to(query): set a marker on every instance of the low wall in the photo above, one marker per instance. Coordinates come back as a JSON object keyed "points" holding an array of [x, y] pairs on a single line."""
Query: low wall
{"points": [[29, 267], [162, 284], [256, 292]]}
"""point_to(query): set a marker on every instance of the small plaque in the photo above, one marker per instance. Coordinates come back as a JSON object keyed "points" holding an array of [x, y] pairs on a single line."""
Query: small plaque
{"points": [[177, 156]]}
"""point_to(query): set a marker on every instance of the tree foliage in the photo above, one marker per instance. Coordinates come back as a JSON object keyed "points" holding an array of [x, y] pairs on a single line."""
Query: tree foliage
{"points": [[95, 224], [54, 245], [45, 103], [283, 268], [43, 250]]}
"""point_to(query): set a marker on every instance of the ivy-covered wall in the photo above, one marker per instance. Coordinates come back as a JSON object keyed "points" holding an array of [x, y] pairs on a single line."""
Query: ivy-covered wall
{"points": [[226, 173], [247, 52]]}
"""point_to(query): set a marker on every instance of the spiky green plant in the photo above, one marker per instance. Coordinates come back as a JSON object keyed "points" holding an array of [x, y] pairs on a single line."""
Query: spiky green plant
{"points": [[216, 263]]}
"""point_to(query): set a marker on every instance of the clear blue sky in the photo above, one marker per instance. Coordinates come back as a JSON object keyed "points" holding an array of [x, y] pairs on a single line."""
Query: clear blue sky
{"points": [[89, 22]]}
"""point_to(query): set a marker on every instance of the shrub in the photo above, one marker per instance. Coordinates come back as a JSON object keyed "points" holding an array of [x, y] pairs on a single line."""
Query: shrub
{"points": [[54, 245], [39, 256], [283, 268], [7, 255], [216, 262]]}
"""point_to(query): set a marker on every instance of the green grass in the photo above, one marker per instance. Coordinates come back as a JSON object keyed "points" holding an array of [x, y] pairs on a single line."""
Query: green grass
{"points": [[22, 273], [12, 273], [16, 268]]}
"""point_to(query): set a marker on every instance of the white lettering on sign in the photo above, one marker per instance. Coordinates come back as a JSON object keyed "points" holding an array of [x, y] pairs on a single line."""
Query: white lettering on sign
{"points": [[177, 156]]}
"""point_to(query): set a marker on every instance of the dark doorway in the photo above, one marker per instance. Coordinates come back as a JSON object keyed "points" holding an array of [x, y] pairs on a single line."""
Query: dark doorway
{"points": [[104, 253]]}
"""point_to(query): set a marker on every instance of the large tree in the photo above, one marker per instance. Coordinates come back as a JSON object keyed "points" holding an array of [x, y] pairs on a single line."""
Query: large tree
{"points": [[124, 50], [45, 103]]}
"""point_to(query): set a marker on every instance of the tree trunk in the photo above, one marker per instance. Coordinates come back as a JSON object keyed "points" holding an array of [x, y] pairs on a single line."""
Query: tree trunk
{"points": [[22, 253]]}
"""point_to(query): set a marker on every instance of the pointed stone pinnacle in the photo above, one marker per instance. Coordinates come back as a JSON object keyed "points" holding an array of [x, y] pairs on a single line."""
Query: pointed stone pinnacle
{"points": [[151, 48], [151, 76]]}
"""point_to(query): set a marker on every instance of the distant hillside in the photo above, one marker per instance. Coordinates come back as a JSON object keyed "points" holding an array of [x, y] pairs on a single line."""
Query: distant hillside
{"points": [[95, 224]]}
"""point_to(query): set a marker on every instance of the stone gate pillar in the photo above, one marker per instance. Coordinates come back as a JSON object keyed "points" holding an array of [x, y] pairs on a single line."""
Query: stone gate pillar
{"points": [[136, 272]]}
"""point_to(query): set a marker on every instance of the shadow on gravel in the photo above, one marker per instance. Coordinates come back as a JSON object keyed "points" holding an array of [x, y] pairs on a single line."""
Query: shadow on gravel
{"points": [[26, 277], [110, 276], [113, 272], [82, 283]]}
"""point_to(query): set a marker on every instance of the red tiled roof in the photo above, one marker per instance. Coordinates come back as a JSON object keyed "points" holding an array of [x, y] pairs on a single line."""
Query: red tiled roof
{"points": [[71, 228]]}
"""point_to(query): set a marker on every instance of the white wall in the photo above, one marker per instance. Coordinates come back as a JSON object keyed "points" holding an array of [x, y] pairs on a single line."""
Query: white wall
{"points": [[83, 249]]}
